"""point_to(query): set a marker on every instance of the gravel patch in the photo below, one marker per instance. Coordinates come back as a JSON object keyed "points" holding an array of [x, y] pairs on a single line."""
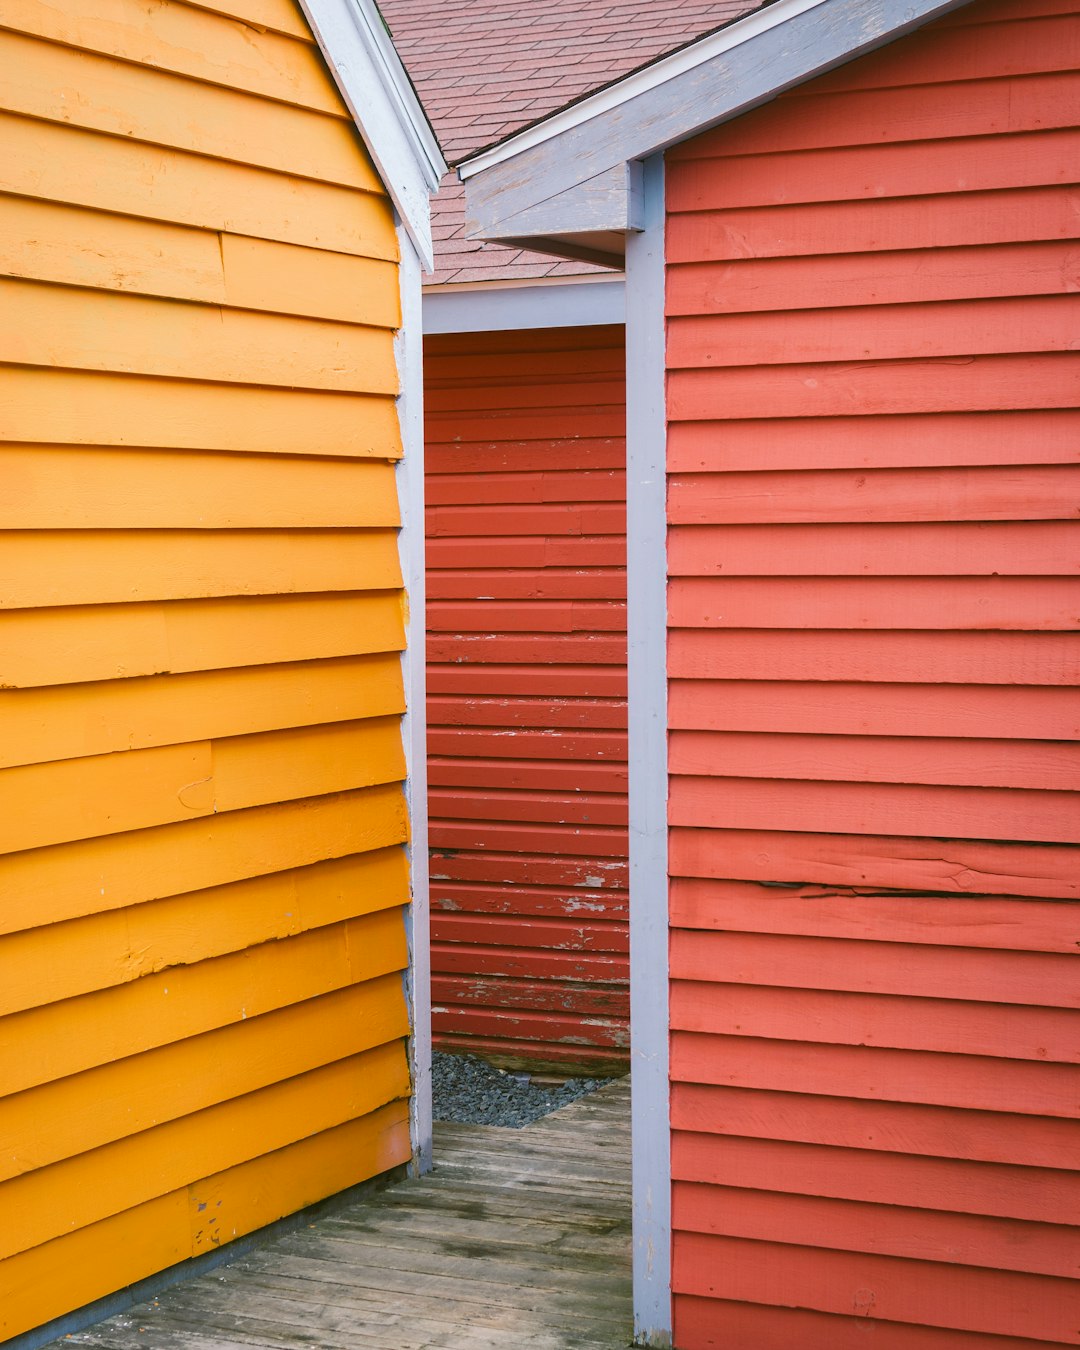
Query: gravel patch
{"points": [[471, 1091]]}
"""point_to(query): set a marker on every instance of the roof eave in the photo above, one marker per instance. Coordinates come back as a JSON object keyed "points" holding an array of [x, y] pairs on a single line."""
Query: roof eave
{"points": [[377, 91], [708, 82]]}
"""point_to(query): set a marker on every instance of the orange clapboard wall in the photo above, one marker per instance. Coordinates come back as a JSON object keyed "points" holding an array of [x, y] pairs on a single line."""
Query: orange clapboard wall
{"points": [[202, 937], [874, 816], [527, 694]]}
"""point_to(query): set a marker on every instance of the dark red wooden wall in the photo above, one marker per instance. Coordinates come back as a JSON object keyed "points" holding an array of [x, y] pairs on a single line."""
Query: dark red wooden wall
{"points": [[873, 501], [527, 695]]}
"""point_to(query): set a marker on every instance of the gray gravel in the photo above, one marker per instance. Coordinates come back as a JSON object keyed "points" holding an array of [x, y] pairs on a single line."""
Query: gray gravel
{"points": [[473, 1092]]}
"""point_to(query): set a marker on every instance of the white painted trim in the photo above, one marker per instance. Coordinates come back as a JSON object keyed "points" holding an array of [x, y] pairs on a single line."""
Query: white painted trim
{"points": [[409, 346], [748, 64], [646, 585], [640, 82], [537, 306], [374, 85]]}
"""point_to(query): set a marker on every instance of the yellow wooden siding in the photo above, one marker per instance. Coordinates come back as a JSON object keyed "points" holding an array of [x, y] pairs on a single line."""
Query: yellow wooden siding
{"points": [[202, 876], [59, 646]]}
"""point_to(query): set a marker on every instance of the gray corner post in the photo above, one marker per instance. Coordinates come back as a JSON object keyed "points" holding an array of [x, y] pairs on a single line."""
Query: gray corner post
{"points": [[646, 520], [410, 484]]}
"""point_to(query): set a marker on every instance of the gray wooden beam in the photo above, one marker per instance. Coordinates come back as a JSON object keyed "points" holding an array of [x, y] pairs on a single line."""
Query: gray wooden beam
{"points": [[610, 201], [808, 43], [577, 248], [487, 308]]}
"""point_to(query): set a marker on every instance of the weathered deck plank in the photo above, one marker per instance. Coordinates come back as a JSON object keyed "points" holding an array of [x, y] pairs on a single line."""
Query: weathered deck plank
{"points": [[519, 1240]]}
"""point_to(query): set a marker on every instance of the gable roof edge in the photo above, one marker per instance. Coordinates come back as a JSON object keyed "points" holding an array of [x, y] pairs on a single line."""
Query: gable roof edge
{"points": [[719, 77], [639, 81], [377, 90]]}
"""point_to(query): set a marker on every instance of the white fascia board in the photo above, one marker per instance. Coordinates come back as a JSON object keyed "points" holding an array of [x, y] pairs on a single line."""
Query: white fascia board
{"points": [[709, 82], [494, 309], [387, 113]]}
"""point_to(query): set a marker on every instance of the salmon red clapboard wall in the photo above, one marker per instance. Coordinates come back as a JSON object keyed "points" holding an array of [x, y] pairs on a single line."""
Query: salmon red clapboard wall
{"points": [[203, 880], [873, 496], [525, 481]]}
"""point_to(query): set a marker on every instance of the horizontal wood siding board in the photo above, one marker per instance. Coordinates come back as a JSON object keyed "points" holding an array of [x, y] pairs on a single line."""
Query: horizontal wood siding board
{"points": [[527, 686], [1012, 1032], [76, 329], [1050, 492], [1030, 323], [144, 257], [914, 168], [982, 813], [839, 707], [503, 992], [1037, 1249], [977, 1082], [890, 1178], [572, 1060], [116, 489], [877, 657], [1010, 764], [860, 441], [82, 957], [128, 641], [923, 1292], [181, 564], [203, 866], [39, 725], [951, 603], [1010, 214], [571, 933], [826, 281], [939, 549], [916, 1129], [964, 866], [873, 966], [996, 922], [961, 383], [873, 808], [770, 1327], [70, 407]]}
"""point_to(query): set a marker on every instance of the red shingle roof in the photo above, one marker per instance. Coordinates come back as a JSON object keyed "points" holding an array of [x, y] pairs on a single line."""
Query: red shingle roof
{"points": [[487, 68]]}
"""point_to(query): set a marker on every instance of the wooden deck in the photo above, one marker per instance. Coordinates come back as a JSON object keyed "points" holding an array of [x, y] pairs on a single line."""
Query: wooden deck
{"points": [[518, 1239]]}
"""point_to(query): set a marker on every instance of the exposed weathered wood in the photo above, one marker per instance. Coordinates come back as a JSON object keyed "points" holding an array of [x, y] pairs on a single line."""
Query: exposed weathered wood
{"points": [[610, 201], [519, 1241]]}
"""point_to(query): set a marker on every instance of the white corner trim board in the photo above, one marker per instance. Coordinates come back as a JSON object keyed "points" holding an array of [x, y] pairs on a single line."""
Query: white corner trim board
{"points": [[387, 113], [646, 622], [492, 309], [711, 81], [409, 347]]}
